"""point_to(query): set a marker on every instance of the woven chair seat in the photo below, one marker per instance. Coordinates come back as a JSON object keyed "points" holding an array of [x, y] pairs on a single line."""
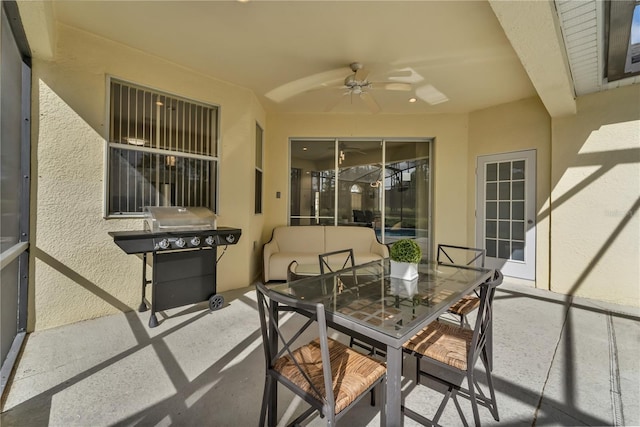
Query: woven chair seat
{"points": [[352, 372], [465, 305], [448, 344]]}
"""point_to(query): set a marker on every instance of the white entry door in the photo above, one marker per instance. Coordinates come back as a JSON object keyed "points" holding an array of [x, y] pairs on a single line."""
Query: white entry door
{"points": [[506, 212]]}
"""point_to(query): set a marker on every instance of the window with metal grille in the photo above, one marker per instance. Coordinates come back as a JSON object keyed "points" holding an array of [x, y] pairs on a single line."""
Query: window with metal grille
{"points": [[163, 150]]}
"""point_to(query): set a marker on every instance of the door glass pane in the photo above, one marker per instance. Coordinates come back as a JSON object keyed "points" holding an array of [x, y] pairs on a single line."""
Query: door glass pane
{"points": [[407, 192], [504, 210], [492, 172], [517, 251], [505, 191], [517, 230], [492, 192], [517, 211], [490, 245], [504, 251], [518, 190], [312, 191], [492, 210], [491, 229], [503, 229], [504, 171], [358, 192], [517, 171]]}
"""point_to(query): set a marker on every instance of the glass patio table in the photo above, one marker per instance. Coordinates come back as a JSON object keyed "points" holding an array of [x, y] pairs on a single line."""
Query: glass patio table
{"points": [[364, 302]]}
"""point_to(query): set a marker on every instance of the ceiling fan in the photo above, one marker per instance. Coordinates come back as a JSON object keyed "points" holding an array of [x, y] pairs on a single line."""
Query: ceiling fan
{"points": [[356, 83], [359, 85]]}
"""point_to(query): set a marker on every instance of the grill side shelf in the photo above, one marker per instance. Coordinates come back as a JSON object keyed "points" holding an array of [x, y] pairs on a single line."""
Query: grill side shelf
{"points": [[134, 242]]}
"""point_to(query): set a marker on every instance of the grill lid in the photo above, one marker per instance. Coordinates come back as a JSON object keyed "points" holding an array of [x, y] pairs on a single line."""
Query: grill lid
{"points": [[177, 218]]}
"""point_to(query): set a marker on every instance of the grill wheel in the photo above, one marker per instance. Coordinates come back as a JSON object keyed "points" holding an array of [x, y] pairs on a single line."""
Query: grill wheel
{"points": [[216, 302]]}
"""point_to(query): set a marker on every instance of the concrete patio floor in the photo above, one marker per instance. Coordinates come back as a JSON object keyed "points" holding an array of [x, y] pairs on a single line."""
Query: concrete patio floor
{"points": [[558, 361]]}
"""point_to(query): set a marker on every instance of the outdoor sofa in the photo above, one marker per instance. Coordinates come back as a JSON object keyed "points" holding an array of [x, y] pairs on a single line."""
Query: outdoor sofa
{"points": [[304, 243]]}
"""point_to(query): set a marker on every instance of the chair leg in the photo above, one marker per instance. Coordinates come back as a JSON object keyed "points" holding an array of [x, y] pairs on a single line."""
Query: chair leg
{"points": [[266, 394], [443, 404], [489, 346], [494, 403], [352, 341], [472, 397]]}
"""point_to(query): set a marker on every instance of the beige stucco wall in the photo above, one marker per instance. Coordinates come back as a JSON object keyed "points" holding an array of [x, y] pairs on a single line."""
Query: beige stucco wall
{"points": [[517, 126], [450, 159], [77, 272], [595, 178]]}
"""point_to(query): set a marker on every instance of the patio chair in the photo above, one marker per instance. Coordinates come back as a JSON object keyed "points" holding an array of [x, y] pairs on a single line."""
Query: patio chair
{"points": [[331, 262], [328, 375], [358, 216], [457, 349], [345, 259], [462, 255]]}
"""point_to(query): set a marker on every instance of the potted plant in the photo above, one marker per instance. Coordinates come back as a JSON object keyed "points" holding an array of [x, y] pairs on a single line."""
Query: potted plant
{"points": [[405, 254]]}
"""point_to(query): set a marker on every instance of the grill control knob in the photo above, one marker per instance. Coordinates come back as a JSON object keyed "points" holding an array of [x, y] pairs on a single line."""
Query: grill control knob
{"points": [[230, 238], [164, 244], [180, 243], [209, 240], [195, 241]]}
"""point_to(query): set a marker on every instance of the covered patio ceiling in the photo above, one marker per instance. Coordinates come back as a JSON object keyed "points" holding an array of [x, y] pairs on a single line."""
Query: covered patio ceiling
{"points": [[451, 56]]}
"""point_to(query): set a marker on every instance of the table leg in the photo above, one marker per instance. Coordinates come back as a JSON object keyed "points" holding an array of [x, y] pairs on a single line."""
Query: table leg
{"points": [[393, 396]]}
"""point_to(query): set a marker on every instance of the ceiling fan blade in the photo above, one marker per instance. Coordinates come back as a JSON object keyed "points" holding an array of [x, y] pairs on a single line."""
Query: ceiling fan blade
{"points": [[334, 103], [331, 78], [370, 102], [361, 74]]}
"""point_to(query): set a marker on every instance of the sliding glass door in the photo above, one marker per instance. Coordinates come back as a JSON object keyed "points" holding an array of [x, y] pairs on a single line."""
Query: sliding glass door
{"points": [[380, 183]]}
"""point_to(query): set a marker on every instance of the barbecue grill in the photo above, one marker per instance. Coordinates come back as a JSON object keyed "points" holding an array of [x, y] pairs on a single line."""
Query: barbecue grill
{"points": [[183, 243]]}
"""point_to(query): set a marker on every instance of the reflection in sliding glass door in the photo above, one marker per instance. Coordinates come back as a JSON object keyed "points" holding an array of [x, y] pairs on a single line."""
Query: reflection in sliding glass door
{"points": [[381, 183], [407, 190]]}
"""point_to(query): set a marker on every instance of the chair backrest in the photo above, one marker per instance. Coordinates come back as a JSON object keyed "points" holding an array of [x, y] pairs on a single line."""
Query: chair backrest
{"points": [[331, 262], [368, 216], [336, 260], [485, 316], [278, 340], [358, 216], [460, 255]]}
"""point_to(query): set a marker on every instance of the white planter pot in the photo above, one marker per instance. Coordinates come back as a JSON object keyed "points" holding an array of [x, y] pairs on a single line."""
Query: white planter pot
{"points": [[404, 270]]}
